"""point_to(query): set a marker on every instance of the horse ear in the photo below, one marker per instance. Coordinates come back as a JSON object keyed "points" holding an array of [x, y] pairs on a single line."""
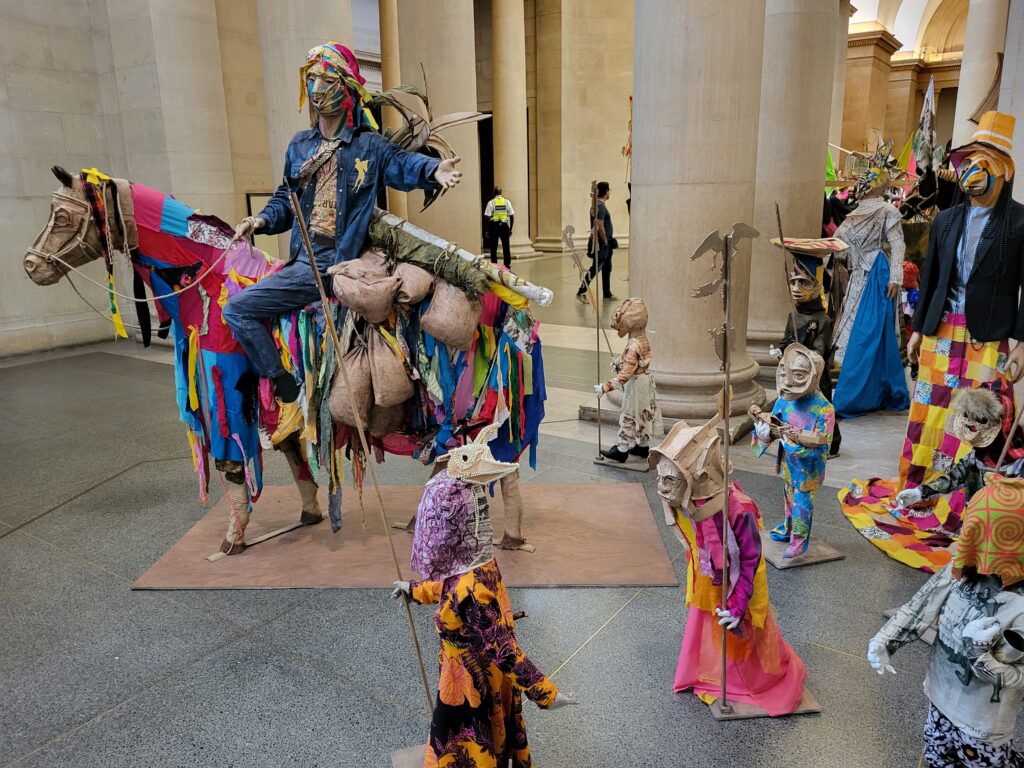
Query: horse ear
{"points": [[62, 176]]}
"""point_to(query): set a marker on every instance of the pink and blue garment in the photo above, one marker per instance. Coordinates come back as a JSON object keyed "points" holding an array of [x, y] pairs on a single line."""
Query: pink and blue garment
{"points": [[801, 468]]}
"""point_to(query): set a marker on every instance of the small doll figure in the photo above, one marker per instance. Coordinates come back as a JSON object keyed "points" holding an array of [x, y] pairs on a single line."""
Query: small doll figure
{"points": [[762, 669], [980, 418], [802, 421], [478, 719], [640, 417], [975, 678]]}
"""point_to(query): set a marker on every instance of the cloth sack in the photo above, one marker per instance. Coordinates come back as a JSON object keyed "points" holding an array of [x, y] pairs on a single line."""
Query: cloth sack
{"points": [[391, 384], [416, 284], [357, 364], [385, 420], [364, 286], [451, 317]]}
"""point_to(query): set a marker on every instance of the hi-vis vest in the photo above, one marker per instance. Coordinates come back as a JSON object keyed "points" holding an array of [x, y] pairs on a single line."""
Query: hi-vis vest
{"points": [[500, 212]]}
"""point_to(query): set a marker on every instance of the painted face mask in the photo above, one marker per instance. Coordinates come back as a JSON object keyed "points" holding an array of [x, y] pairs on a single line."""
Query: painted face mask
{"points": [[327, 92], [802, 287], [331, 81], [977, 417], [691, 473], [799, 372], [629, 316], [474, 464], [976, 174]]}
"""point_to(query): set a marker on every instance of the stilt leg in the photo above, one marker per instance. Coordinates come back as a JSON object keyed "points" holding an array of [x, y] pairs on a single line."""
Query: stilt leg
{"points": [[238, 519], [308, 488], [513, 501]]}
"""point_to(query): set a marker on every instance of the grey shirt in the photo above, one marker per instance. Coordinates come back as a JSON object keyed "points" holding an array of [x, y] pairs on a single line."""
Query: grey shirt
{"points": [[966, 251]]}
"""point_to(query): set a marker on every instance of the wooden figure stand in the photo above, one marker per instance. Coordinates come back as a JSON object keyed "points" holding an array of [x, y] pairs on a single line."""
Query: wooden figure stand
{"points": [[722, 709]]}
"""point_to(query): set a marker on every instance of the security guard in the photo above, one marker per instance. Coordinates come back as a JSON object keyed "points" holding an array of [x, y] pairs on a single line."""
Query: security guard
{"points": [[499, 218]]}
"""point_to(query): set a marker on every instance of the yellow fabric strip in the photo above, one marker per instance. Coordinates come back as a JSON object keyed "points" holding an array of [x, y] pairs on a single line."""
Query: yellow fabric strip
{"points": [[115, 312], [509, 296], [193, 362]]}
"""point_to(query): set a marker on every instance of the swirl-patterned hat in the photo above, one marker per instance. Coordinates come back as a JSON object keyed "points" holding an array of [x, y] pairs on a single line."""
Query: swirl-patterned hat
{"points": [[992, 537]]}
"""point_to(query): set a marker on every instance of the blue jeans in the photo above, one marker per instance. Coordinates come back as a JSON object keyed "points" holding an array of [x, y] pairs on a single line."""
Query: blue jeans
{"points": [[293, 287]]}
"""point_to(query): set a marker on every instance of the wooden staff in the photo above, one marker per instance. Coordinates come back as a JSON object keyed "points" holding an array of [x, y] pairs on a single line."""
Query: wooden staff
{"points": [[360, 428], [725, 707], [595, 246]]}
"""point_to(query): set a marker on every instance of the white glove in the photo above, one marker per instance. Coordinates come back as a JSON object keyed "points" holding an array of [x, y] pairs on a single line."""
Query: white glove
{"points": [[599, 389], [562, 700], [983, 632], [763, 431], [401, 588], [774, 352], [248, 226], [878, 657], [909, 496], [726, 619]]}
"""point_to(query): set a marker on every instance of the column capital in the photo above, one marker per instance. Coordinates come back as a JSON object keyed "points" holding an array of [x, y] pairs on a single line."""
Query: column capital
{"points": [[879, 39]]}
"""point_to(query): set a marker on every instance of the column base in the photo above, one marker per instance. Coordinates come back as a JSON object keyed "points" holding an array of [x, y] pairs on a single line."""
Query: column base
{"points": [[549, 246], [758, 343], [521, 249]]}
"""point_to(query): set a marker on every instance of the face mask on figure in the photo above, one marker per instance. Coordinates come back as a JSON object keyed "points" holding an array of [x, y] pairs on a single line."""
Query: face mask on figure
{"points": [[328, 94], [803, 288], [331, 82], [799, 372]]}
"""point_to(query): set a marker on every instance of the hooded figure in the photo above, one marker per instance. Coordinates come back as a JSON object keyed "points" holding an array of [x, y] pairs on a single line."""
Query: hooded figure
{"points": [[761, 668], [975, 678], [802, 421], [478, 718], [640, 416]]}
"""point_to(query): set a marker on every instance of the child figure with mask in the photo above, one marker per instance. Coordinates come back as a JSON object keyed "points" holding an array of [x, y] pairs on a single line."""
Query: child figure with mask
{"points": [[761, 667], [478, 718], [801, 421]]}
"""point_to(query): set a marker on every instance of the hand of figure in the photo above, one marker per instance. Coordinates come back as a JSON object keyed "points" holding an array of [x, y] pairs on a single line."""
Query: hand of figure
{"points": [[774, 352], [762, 431], [726, 619], [599, 389], [983, 631], [249, 226], [1015, 363], [401, 588], [878, 657], [562, 700], [909, 496], [893, 290], [446, 175], [914, 348]]}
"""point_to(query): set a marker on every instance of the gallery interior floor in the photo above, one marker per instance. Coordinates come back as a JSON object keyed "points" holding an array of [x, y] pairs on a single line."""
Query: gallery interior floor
{"points": [[97, 485]]}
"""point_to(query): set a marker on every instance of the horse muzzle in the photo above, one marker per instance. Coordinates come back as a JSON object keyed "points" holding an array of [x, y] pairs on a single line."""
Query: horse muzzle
{"points": [[40, 271]]}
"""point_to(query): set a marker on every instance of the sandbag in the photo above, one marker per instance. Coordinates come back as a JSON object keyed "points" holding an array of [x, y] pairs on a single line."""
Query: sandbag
{"points": [[416, 284], [451, 317], [391, 384], [370, 263], [371, 297], [357, 364], [385, 420]]}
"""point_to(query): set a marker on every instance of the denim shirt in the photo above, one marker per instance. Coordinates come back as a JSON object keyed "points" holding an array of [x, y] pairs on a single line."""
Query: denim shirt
{"points": [[386, 165]]}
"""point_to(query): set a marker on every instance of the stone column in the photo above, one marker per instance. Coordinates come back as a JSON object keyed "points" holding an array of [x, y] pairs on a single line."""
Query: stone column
{"points": [[693, 172], [983, 39], [508, 86], [287, 31], [796, 93], [905, 100], [835, 124], [391, 75], [440, 34], [1011, 91], [869, 62]]}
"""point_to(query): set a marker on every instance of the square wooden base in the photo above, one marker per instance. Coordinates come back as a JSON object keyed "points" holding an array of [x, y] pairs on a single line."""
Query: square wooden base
{"points": [[818, 552], [743, 711], [409, 757]]}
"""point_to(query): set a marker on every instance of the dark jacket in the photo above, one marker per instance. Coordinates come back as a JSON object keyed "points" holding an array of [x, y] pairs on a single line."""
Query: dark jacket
{"points": [[386, 165], [994, 307]]}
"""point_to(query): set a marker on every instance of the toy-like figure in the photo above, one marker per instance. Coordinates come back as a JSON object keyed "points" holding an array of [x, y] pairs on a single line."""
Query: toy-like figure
{"points": [[802, 421], [975, 679], [809, 323], [981, 418], [640, 417], [761, 667], [478, 718]]}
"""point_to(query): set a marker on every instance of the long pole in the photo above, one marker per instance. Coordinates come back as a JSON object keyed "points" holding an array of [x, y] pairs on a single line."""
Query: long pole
{"points": [[726, 708], [595, 248], [360, 428]]}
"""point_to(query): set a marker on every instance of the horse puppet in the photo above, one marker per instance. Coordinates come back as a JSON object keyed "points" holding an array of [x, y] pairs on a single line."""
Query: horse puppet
{"points": [[192, 264]]}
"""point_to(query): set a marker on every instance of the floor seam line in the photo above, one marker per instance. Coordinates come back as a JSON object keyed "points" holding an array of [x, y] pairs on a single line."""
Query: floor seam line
{"points": [[596, 633]]}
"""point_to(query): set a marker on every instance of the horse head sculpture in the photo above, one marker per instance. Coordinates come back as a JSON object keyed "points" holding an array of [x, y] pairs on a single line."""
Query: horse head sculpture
{"points": [[71, 236]]}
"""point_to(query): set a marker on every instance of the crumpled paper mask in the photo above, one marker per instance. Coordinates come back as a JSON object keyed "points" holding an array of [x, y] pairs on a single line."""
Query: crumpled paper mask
{"points": [[977, 416], [799, 372], [691, 473], [474, 463], [629, 316]]}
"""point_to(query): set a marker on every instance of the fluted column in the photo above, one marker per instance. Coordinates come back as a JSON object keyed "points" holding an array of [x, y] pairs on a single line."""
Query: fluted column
{"points": [[983, 40], [508, 85], [796, 93], [835, 123], [1011, 91], [693, 172], [391, 76], [868, 66]]}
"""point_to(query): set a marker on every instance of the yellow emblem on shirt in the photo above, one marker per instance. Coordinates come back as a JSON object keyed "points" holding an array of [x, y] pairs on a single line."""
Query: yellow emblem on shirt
{"points": [[362, 166]]}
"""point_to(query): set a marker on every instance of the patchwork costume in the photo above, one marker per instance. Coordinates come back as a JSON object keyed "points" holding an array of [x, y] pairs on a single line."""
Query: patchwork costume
{"points": [[975, 678], [761, 668]]}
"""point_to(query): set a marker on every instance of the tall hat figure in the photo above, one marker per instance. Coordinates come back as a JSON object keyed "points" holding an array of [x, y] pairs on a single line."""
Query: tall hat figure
{"points": [[761, 668], [478, 718]]}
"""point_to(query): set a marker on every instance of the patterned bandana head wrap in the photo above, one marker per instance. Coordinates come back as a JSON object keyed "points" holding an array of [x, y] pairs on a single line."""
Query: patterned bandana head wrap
{"points": [[338, 60], [453, 529], [992, 537]]}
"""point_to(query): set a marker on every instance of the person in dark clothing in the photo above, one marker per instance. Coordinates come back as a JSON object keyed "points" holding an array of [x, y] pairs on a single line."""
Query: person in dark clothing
{"points": [[605, 245], [499, 218]]}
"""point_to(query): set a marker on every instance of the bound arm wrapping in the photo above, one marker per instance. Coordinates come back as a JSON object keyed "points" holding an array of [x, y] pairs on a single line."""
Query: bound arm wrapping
{"points": [[917, 615], [626, 368], [953, 480]]}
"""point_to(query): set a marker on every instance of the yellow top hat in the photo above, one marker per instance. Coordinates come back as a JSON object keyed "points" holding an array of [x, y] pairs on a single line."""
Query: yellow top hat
{"points": [[994, 132]]}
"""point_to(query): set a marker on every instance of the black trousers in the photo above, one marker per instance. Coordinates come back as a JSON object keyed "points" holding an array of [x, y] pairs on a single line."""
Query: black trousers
{"points": [[605, 259], [500, 231], [826, 389]]}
